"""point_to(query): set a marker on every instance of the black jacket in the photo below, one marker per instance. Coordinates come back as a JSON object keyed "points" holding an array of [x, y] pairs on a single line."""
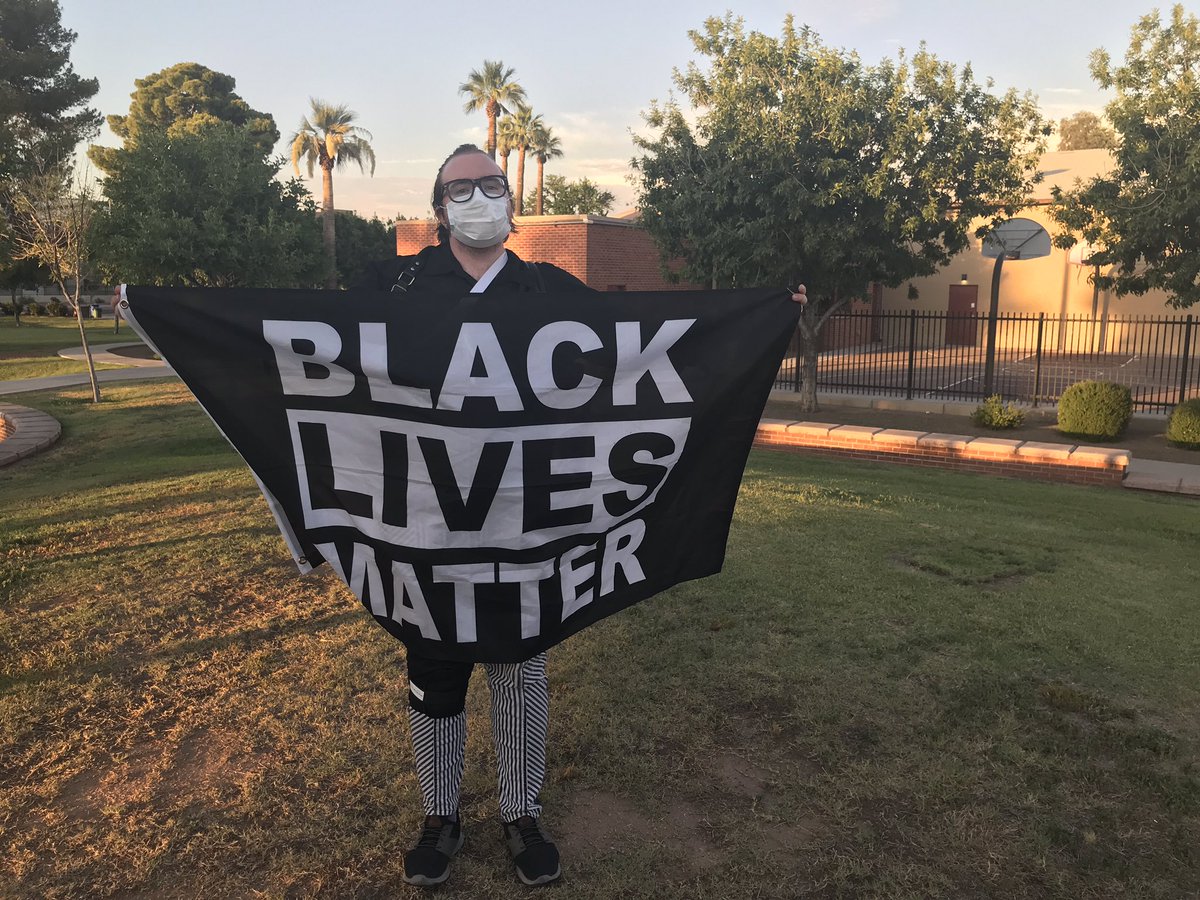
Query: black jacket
{"points": [[441, 272]]}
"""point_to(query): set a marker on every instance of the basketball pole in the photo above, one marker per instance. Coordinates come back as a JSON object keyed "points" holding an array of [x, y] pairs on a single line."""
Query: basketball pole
{"points": [[989, 371]]}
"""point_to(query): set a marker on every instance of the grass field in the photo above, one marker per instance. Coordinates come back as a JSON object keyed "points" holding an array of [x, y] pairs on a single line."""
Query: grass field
{"points": [[29, 351], [904, 684]]}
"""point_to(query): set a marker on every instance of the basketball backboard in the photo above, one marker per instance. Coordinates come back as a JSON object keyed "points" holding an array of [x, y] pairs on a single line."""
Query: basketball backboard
{"points": [[1017, 239]]}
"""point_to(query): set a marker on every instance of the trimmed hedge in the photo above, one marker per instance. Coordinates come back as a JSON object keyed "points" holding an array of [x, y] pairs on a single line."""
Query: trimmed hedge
{"points": [[1099, 410], [1183, 428]]}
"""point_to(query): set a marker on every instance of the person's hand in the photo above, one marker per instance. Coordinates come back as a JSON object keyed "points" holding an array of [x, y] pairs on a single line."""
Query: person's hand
{"points": [[800, 295]]}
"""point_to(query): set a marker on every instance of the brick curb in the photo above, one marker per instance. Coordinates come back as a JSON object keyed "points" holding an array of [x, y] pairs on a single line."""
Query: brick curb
{"points": [[986, 455], [25, 431]]}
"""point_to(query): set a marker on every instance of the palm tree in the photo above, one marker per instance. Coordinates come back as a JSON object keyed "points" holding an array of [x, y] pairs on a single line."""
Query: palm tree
{"points": [[505, 142], [328, 138], [524, 126], [489, 89], [544, 146]]}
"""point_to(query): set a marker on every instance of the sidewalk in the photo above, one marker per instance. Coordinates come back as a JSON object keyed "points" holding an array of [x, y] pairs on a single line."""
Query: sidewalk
{"points": [[1165, 477], [101, 353], [1144, 474], [104, 353]]}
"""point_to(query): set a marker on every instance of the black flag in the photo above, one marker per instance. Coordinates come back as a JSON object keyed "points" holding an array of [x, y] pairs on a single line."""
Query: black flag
{"points": [[493, 472]]}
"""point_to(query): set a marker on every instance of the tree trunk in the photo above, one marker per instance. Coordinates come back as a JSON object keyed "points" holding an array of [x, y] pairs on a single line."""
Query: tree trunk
{"points": [[810, 344], [16, 309], [504, 164], [520, 181], [812, 320], [493, 113], [327, 225], [83, 341], [541, 167]]}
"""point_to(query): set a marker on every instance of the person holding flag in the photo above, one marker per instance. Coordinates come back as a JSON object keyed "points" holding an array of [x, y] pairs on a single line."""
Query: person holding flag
{"points": [[474, 208]]}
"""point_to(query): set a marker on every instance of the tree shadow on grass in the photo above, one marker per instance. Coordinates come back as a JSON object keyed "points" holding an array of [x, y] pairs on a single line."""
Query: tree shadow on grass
{"points": [[178, 651]]}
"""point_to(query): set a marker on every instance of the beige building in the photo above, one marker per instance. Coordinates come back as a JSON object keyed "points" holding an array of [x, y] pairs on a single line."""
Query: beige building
{"points": [[1056, 285]]}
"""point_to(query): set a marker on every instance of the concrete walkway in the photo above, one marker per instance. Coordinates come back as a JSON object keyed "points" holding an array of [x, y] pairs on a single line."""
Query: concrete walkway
{"points": [[1144, 474], [1166, 477], [108, 376], [136, 369]]}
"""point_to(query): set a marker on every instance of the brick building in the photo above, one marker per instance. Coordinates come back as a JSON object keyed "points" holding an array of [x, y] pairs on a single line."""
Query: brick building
{"points": [[608, 254], [612, 254]]}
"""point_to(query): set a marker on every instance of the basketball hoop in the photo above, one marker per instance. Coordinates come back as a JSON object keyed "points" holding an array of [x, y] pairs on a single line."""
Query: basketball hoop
{"points": [[1016, 239]]}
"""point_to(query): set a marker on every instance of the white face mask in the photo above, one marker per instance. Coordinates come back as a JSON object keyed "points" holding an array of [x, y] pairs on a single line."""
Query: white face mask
{"points": [[479, 222]]}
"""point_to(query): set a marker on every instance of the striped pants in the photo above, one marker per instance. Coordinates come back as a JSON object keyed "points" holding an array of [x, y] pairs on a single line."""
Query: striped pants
{"points": [[520, 710]]}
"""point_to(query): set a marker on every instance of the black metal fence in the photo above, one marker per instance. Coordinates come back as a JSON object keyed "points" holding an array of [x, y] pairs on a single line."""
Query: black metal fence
{"points": [[933, 355]]}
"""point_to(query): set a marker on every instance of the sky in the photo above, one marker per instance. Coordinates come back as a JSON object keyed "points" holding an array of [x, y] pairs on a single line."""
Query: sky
{"points": [[591, 69]]}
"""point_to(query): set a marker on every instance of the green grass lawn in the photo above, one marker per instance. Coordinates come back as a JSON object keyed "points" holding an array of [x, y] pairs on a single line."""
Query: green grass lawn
{"points": [[904, 684], [29, 351]]}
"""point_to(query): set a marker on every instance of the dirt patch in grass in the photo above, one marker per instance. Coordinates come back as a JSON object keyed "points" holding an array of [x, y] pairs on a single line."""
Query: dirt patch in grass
{"points": [[208, 762], [740, 776], [604, 823]]}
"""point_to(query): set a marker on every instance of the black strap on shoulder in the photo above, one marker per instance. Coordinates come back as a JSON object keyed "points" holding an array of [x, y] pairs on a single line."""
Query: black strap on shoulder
{"points": [[405, 279], [409, 274]]}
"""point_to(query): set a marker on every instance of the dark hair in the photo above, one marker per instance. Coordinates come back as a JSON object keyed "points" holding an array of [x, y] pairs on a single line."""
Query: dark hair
{"points": [[443, 233]]}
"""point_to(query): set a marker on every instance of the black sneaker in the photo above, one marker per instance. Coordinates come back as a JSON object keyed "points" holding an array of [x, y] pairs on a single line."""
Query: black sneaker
{"points": [[532, 850], [428, 862]]}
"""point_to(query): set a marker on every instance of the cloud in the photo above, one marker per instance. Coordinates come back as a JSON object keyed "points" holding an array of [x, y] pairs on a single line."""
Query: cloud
{"points": [[872, 13], [1062, 90], [610, 165], [1061, 110], [384, 195], [593, 128]]}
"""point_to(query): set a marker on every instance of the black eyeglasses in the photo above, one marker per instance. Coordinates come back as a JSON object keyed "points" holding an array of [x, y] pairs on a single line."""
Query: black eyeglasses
{"points": [[460, 190]]}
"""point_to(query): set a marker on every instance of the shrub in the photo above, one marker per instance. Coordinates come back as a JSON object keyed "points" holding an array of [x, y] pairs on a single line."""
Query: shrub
{"points": [[56, 308], [1095, 409], [995, 413], [1183, 428]]}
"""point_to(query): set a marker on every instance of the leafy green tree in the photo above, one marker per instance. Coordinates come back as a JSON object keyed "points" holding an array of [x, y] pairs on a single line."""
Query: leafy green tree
{"points": [[182, 99], [544, 146], [42, 112], [361, 242], [804, 164], [1085, 131], [489, 89], [1140, 218], [579, 198], [205, 209], [329, 138]]}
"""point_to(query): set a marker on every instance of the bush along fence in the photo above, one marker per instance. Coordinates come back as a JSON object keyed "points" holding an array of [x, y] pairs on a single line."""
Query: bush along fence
{"points": [[1032, 359]]}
